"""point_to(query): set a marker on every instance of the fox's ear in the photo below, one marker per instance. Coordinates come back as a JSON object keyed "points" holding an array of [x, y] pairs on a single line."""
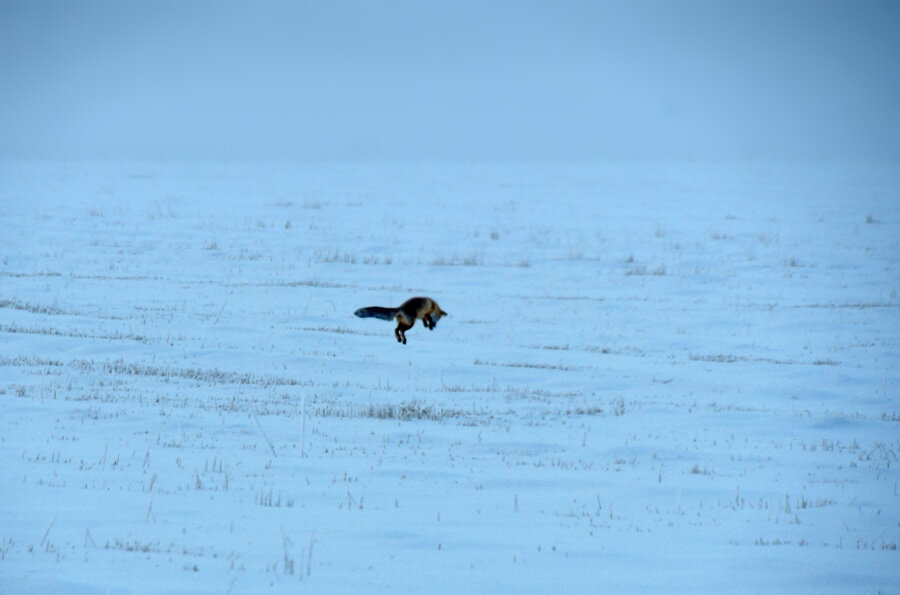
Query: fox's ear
{"points": [[444, 313]]}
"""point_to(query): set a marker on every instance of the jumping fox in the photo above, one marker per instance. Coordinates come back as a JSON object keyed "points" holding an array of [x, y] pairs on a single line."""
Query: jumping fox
{"points": [[409, 311]]}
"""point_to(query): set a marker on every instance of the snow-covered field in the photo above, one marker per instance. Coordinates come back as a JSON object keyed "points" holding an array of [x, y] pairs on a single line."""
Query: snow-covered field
{"points": [[676, 378]]}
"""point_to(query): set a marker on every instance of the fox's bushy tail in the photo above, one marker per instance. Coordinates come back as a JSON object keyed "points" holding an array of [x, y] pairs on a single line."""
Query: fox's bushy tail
{"points": [[377, 312]]}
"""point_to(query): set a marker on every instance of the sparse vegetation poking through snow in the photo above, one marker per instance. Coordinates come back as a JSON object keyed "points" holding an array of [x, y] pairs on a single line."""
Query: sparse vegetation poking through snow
{"points": [[32, 308], [211, 376], [185, 393], [403, 411]]}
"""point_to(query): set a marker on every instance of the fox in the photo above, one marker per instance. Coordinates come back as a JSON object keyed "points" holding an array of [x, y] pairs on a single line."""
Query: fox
{"points": [[406, 315]]}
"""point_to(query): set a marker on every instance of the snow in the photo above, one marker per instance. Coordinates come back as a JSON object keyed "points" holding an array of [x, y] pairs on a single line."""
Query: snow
{"points": [[654, 377]]}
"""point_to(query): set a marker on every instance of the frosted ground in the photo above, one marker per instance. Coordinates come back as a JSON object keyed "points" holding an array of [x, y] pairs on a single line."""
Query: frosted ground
{"points": [[675, 378]]}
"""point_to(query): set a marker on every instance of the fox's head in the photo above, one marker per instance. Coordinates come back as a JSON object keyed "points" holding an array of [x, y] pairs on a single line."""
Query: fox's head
{"points": [[441, 313]]}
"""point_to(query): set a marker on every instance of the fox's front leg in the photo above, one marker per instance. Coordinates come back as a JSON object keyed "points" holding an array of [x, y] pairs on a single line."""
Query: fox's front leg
{"points": [[428, 321]]}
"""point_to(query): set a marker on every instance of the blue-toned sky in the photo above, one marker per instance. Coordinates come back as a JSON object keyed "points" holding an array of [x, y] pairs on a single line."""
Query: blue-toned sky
{"points": [[461, 81]]}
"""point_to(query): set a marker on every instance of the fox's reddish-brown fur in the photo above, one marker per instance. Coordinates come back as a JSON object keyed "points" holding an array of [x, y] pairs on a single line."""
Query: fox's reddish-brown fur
{"points": [[406, 315]]}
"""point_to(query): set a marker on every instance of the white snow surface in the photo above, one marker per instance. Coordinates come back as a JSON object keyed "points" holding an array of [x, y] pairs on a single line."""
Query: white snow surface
{"points": [[654, 378]]}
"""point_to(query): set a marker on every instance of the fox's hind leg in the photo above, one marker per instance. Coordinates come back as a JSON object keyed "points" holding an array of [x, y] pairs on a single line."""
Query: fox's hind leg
{"points": [[400, 331]]}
